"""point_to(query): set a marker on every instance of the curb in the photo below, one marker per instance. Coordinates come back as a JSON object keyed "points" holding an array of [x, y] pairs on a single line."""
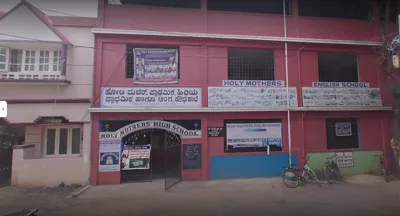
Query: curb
{"points": [[78, 192]]}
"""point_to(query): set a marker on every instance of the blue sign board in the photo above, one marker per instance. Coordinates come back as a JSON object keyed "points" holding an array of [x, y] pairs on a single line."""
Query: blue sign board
{"points": [[256, 83]]}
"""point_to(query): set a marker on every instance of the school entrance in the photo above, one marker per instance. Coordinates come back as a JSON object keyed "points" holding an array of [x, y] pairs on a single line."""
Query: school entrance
{"points": [[146, 151], [151, 155]]}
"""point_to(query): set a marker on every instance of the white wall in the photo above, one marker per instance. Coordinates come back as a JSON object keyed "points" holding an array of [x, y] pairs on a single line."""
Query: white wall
{"points": [[81, 8]]}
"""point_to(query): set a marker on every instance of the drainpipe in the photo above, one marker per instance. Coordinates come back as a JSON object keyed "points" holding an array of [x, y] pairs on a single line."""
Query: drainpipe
{"points": [[303, 144], [64, 50], [287, 85]]}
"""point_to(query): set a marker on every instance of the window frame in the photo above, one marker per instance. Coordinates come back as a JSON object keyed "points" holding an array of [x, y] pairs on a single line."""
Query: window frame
{"points": [[356, 62], [36, 62], [353, 121], [250, 149], [57, 141], [288, 10], [141, 4], [6, 60], [130, 59]]}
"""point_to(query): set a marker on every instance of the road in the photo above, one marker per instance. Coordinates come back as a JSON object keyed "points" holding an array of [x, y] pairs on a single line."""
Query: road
{"points": [[230, 197]]}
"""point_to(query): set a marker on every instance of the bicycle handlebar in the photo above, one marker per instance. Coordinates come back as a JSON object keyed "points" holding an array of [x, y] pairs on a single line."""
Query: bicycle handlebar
{"points": [[331, 157]]}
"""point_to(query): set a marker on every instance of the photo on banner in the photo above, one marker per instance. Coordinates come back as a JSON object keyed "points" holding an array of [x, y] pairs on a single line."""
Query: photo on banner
{"points": [[109, 156], [155, 65], [253, 135]]}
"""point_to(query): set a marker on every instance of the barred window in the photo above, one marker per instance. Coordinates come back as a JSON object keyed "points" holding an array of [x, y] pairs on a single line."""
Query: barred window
{"points": [[346, 9], [130, 58], [250, 64], [161, 3], [251, 6], [256, 140], [342, 133], [337, 67]]}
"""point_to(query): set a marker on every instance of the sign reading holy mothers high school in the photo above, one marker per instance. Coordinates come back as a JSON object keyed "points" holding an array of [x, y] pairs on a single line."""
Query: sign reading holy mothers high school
{"points": [[150, 124]]}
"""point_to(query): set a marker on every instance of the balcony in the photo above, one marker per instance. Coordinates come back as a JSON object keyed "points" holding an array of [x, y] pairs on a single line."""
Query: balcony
{"points": [[21, 65]]}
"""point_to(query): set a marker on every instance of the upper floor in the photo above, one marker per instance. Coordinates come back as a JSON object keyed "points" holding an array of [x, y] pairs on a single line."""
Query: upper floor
{"points": [[46, 49], [352, 20]]}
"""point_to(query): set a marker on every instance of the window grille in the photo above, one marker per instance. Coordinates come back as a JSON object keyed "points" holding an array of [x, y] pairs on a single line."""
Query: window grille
{"points": [[337, 67], [248, 64], [342, 138], [162, 3], [251, 6], [250, 149], [130, 60], [346, 9]]}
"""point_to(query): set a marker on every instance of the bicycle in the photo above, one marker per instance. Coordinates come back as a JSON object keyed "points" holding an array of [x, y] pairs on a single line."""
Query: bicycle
{"points": [[332, 171], [298, 175], [25, 212], [382, 166]]}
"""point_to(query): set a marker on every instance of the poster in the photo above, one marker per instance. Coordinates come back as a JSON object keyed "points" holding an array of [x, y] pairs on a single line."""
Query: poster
{"points": [[155, 65], [332, 97], [344, 159], [244, 135], [252, 97], [136, 157], [109, 156], [191, 156], [149, 97], [343, 129]]}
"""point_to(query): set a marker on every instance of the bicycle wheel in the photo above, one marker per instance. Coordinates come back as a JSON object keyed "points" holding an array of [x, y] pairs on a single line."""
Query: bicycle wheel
{"points": [[314, 177], [385, 174], [290, 179], [329, 175], [339, 177]]}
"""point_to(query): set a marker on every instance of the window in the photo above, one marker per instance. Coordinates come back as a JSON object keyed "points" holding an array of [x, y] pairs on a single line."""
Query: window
{"points": [[63, 141], [348, 9], [130, 60], [17, 60], [3, 59], [392, 10], [250, 6], [247, 64], [162, 3], [342, 133], [243, 140], [337, 67]]}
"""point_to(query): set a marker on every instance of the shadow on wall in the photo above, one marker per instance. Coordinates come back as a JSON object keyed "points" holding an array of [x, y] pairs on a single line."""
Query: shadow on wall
{"points": [[251, 166]]}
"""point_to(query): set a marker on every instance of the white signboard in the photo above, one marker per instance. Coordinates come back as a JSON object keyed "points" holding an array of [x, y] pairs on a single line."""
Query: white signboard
{"points": [[244, 135], [340, 84], [231, 97], [345, 159], [259, 83], [148, 97], [343, 128], [331, 97], [109, 156], [136, 157]]}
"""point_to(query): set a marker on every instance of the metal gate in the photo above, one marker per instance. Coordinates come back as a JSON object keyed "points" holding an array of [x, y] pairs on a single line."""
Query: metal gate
{"points": [[5, 165], [172, 160]]}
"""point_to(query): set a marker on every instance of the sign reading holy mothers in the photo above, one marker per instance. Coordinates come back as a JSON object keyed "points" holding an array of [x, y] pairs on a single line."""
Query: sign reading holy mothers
{"points": [[150, 124]]}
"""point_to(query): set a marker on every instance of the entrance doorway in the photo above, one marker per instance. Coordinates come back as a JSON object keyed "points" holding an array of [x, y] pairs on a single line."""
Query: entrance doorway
{"points": [[164, 161]]}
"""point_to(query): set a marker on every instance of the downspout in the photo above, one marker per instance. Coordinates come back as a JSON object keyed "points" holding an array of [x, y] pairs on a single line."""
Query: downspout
{"points": [[303, 143], [287, 85]]}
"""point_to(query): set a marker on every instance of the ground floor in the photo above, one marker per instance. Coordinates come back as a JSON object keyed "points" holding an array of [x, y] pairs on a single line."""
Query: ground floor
{"points": [[132, 147], [364, 195], [54, 147]]}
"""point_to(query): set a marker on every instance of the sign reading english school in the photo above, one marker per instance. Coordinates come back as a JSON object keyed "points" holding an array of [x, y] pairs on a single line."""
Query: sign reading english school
{"points": [[257, 83], [150, 124], [340, 84]]}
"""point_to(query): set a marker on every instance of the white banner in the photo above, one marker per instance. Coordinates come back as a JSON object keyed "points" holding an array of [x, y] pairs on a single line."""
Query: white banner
{"points": [[148, 97], [109, 156], [231, 97], [136, 157], [328, 97], [343, 128], [345, 159], [244, 135]]}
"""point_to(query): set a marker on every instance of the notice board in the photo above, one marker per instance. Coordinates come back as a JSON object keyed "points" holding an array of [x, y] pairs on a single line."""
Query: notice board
{"points": [[191, 156]]}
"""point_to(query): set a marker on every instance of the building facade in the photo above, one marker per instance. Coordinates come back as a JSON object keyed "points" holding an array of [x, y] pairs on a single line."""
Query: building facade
{"points": [[46, 73], [240, 89]]}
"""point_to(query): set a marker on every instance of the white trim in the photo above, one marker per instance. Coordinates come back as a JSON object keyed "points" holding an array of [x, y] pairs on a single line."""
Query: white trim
{"points": [[207, 109], [235, 37], [57, 139]]}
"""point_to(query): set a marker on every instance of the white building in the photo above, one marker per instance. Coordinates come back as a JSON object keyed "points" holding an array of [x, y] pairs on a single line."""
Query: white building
{"points": [[46, 72]]}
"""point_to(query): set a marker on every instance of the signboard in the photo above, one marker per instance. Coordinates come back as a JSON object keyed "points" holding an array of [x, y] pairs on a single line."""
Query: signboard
{"points": [[340, 84], [231, 97], [155, 65], [150, 124], [215, 132], [148, 97], [244, 135], [332, 97], [109, 156], [191, 156], [259, 83], [136, 157], [344, 159], [343, 128]]}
